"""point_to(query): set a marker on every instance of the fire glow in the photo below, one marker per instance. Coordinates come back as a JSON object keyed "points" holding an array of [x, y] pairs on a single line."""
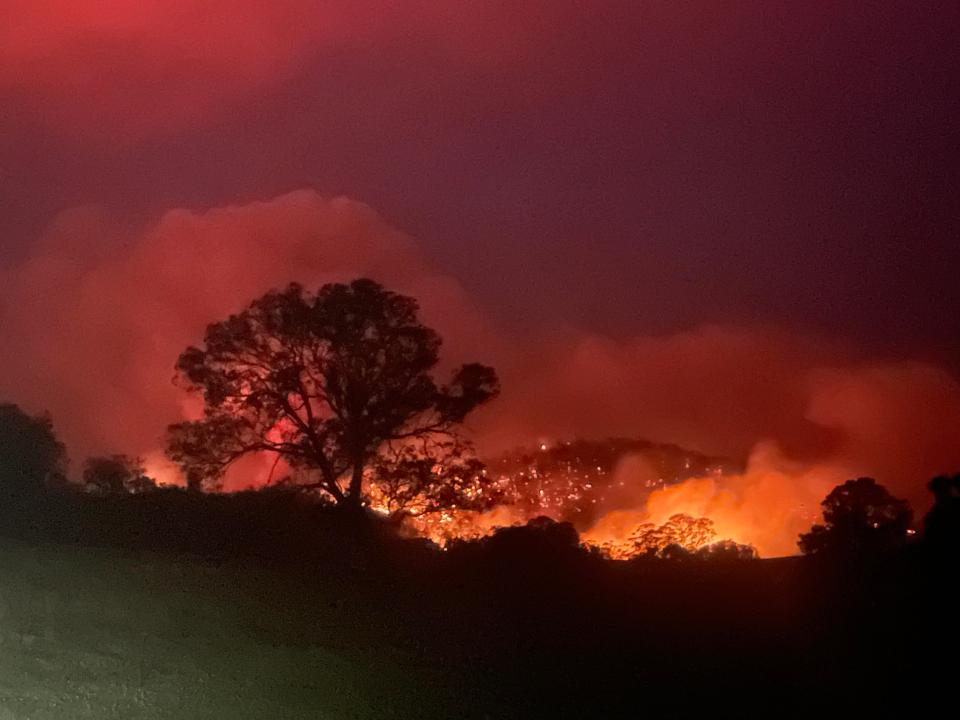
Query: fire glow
{"points": [[626, 507]]}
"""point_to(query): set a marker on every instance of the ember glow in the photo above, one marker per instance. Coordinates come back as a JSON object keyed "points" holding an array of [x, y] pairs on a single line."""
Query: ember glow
{"points": [[639, 488], [766, 506]]}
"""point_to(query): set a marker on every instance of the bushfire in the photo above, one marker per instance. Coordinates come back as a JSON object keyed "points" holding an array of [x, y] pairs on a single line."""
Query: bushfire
{"points": [[605, 490], [627, 498]]}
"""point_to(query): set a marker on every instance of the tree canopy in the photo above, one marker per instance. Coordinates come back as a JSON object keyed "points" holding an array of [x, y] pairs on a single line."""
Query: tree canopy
{"points": [[115, 475], [338, 386], [681, 537], [858, 516], [680, 529], [31, 455]]}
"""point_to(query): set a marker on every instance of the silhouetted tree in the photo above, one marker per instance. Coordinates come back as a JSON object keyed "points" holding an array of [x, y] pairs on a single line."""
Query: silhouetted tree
{"points": [[328, 382], [31, 456], [675, 552], [726, 550], [859, 517], [116, 475], [680, 531], [540, 537], [409, 482], [941, 527]]}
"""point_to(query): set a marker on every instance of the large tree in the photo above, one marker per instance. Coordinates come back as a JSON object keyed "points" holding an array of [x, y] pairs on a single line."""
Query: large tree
{"points": [[335, 384], [860, 516]]}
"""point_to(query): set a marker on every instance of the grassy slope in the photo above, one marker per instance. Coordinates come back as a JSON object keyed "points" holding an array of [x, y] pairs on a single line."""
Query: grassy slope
{"points": [[96, 633], [104, 634]]}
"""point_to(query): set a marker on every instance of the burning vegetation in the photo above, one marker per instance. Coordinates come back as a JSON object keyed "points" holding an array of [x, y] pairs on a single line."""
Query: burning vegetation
{"points": [[580, 482]]}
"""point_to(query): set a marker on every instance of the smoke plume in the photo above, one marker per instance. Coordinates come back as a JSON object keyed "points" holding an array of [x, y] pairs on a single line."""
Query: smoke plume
{"points": [[94, 320]]}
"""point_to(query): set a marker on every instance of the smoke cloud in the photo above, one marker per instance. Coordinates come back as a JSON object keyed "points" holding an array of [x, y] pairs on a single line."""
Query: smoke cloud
{"points": [[93, 322]]}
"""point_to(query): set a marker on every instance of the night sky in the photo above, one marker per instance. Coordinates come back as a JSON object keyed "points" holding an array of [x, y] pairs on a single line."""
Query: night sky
{"points": [[632, 172]]}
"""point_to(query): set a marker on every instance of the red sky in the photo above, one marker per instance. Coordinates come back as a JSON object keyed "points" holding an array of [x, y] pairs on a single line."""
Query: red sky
{"points": [[709, 223]]}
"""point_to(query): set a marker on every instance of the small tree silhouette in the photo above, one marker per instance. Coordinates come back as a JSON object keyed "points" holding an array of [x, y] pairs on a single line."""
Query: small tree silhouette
{"points": [[726, 550], [115, 475], [941, 526]]}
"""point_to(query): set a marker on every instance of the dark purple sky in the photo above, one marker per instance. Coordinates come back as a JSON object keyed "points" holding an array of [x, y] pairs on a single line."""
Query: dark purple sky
{"points": [[622, 166]]}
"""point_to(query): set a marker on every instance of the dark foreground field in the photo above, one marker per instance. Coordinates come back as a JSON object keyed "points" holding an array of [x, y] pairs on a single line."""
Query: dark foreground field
{"points": [[105, 633]]}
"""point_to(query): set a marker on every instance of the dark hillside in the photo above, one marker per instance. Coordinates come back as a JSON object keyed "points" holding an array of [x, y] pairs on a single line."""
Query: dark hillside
{"points": [[88, 633]]}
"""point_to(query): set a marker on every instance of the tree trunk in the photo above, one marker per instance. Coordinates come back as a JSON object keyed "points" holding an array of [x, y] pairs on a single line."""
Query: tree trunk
{"points": [[355, 494]]}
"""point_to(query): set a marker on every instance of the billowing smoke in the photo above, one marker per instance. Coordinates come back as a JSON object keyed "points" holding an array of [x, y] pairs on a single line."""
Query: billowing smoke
{"points": [[93, 322]]}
